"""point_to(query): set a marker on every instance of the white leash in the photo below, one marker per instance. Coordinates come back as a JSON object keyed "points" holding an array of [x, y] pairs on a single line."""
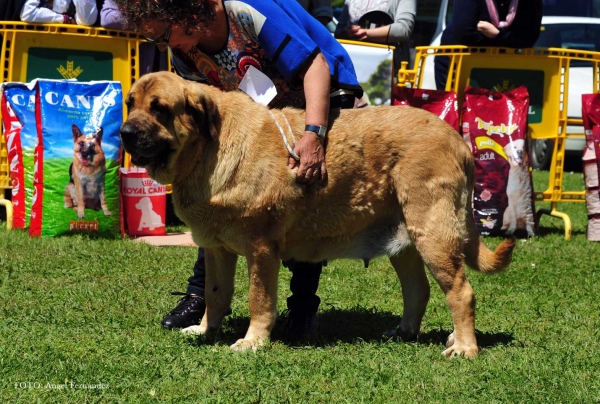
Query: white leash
{"points": [[287, 145]]}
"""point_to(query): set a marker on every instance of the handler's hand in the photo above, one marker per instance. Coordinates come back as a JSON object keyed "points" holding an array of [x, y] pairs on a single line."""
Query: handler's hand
{"points": [[312, 159], [487, 29], [357, 33]]}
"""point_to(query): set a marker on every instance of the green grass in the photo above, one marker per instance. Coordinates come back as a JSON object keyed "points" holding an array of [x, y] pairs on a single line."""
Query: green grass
{"points": [[85, 311], [56, 218]]}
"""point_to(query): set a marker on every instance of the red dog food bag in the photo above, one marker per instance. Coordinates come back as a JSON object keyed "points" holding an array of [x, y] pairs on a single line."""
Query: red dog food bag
{"points": [[144, 203], [439, 102], [503, 201], [77, 158], [20, 135], [590, 109], [594, 230]]}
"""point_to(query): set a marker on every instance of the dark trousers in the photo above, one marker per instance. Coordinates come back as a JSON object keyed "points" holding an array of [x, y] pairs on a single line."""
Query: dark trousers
{"points": [[303, 285], [441, 65]]}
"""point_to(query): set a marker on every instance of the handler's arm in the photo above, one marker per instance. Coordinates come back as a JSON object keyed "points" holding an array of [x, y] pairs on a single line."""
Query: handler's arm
{"points": [[310, 147]]}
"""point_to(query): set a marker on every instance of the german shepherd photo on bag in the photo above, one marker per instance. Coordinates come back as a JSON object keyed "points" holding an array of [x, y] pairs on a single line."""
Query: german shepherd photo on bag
{"points": [[77, 158], [85, 189]]}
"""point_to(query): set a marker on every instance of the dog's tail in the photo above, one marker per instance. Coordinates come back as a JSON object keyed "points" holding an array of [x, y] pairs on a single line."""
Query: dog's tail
{"points": [[482, 259]]}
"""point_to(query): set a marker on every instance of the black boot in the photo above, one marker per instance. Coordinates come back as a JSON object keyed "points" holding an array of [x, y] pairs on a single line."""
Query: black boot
{"points": [[299, 325], [189, 311]]}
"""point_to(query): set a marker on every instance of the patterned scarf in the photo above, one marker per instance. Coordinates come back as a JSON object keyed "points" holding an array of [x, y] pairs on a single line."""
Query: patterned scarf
{"points": [[512, 11]]}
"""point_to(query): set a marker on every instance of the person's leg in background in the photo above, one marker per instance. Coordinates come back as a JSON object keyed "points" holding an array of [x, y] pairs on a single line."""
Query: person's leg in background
{"points": [[441, 65], [191, 307], [303, 304]]}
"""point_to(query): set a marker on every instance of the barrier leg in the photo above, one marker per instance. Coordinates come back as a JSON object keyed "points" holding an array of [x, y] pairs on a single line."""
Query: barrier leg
{"points": [[9, 212], [553, 212]]}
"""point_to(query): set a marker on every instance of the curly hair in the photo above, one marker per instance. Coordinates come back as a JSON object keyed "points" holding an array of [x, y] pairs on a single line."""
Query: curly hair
{"points": [[189, 13]]}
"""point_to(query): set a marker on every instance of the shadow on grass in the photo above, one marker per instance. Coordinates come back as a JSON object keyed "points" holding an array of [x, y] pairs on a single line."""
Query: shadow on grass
{"points": [[353, 325], [548, 229]]}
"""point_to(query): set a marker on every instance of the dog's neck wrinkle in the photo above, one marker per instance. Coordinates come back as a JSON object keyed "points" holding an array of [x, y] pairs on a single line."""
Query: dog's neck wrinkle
{"points": [[192, 155]]}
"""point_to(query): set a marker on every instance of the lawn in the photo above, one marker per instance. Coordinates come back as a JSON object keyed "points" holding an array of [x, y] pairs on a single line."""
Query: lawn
{"points": [[80, 322]]}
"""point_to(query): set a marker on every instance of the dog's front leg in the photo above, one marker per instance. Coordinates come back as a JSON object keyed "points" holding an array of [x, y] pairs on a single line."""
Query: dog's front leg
{"points": [[263, 271], [220, 273], [80, 200]]}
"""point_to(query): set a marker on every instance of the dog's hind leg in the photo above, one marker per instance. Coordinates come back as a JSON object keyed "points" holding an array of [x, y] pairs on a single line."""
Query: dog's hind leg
{"points": [[415, 291], [263, 271], [220, 274], [437, 234]]}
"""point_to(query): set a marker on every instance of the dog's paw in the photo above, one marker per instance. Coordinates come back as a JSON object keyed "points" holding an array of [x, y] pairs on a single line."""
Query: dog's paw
{"points": [[107, 213], [461, 350], [193, 330], [450, 340], [245, 344]]}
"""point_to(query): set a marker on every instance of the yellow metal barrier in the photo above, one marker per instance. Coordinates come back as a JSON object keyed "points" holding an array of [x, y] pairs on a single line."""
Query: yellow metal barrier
{"points": [[545, 73], [5, 184]]}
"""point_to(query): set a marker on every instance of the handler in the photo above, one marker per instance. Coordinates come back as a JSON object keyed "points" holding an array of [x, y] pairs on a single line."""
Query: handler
{"points": [[216, 42]]}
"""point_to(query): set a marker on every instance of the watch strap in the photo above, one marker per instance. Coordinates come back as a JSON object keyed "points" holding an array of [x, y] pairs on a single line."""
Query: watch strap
{"points": [[321, 131]]}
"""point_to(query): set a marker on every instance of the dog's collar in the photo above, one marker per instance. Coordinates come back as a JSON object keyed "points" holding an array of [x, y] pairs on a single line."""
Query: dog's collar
{"points": [[287, 145]]}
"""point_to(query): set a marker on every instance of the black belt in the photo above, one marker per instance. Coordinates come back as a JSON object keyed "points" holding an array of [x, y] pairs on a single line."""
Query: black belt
{"points": [[343, 101]]}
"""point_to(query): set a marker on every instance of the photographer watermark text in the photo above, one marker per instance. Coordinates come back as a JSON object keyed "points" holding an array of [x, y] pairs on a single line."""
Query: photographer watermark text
{"points": [[61, 386]]}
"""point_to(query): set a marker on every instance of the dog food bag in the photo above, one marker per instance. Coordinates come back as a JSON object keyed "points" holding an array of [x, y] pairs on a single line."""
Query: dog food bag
{"points": [[76, 162], [144, 203], [439, 102], [590, 106], [20, 135], [503, 201]]}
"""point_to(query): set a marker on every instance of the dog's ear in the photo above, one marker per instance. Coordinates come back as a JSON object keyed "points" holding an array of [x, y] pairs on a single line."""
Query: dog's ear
{"points": [[203, 110], [98, 135], [76, 132]]}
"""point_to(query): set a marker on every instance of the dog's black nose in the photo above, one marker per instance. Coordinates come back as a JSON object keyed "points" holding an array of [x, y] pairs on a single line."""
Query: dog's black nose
{"points": [[128, 133]]}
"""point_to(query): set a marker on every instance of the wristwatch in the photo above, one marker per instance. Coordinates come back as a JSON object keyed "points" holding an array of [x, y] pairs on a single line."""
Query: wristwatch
{"points": [[321, 131]]}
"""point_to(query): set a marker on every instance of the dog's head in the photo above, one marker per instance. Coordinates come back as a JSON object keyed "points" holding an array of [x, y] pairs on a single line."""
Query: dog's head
{"points": [[88, 148], [515, 151], [168, 116]]}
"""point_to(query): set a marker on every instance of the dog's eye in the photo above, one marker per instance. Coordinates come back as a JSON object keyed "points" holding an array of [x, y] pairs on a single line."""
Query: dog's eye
{"points": [[160, 111], [129, 103]]}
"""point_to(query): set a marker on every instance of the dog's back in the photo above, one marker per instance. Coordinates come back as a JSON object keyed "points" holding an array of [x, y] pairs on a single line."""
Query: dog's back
{"points": [[381, 162]]}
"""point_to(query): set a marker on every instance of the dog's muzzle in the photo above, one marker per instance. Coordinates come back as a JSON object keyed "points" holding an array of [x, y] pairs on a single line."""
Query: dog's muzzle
{"points": [[144, 150], [129, 135]]}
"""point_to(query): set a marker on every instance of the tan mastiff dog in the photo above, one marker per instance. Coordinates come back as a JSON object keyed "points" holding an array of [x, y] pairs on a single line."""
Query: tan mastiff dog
{"points": [[399, 184]]}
